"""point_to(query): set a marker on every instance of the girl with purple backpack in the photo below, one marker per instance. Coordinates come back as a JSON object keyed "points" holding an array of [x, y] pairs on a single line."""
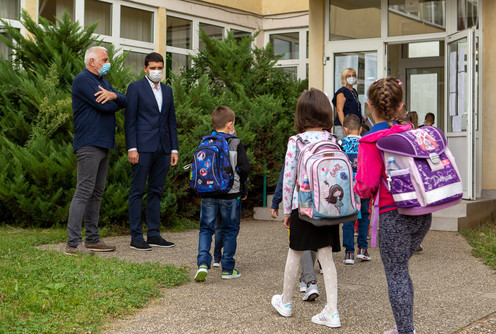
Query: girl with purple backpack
{"points": [[312, 116], [399, 235]]}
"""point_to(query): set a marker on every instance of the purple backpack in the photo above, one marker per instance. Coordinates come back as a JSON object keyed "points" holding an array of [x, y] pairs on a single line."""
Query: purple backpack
{"points": [[425, 177]]}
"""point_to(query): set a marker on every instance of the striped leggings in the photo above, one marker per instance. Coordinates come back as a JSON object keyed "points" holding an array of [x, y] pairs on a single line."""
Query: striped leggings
{"points": [[399, 238]]}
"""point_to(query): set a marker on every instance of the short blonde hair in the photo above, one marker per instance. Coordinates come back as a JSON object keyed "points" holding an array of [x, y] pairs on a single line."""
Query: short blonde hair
{"points": [[221, 116], [345, 74]]}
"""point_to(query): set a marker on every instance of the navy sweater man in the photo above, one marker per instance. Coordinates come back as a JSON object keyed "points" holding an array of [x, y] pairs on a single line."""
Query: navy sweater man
{"points": [[151, 140], [94, 104]]}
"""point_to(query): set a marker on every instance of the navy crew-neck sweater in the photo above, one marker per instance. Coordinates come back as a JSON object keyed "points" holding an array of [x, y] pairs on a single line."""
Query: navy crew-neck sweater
{"points": [[94, 123]]}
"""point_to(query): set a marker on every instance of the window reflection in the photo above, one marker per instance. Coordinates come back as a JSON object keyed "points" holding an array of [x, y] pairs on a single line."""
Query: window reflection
{"points": [[9, 9], [467, 14], [416, 17], [178, 32], [212, 32], [286, 44], [136, 24], [54, 9], [99, 11], [354, 19]]}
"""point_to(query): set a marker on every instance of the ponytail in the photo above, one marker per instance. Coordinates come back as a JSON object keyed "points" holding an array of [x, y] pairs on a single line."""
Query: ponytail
{"points": [[386, 95]]}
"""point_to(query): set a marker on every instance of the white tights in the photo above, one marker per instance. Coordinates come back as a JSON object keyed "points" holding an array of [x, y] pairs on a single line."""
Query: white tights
{"points": [[328, 268]]}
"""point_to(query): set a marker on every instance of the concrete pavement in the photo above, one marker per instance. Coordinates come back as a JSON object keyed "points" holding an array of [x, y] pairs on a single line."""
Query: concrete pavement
{"points": [[453, 290]]}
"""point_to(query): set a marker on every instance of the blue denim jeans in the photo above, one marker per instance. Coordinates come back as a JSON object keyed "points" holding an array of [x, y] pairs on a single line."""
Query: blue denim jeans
{"points": [[363, 229], [227, 209], [219, 238]]}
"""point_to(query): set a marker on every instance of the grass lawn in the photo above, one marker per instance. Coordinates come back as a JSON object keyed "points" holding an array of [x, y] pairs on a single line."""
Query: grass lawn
{"points": [[50, 292], [483, 241]]}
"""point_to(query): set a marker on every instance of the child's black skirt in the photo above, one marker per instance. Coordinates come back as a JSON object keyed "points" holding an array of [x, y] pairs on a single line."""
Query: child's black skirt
{"points": [[306, 236]]}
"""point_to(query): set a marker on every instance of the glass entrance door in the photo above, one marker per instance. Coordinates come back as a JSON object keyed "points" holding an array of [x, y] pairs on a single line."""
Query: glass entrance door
{"points": [[462, 107]]}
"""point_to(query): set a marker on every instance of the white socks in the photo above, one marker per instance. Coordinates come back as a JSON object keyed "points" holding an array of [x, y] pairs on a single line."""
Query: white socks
{"points": [[330, 278], [291, 274]]}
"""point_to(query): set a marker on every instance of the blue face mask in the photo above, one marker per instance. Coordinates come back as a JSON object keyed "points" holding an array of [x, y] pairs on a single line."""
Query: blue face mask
{"points": [[105, 69]]}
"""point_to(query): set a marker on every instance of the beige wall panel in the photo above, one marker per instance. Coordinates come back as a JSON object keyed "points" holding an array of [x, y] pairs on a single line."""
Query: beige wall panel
{"points": [[489, 96], [286, 6], [31, 6], [161, 30], [316, 43], [252, 6]]}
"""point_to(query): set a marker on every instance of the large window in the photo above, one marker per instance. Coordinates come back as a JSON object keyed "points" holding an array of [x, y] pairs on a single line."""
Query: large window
{"points": [[4, 50], [286, 45], [416, 17], [174, 62], [467, 14], [354, 19], [365, 66], [137, 24], [9, 9], [54, 9], [238, 34], [99, 11], [136, 60], [179, 32], [212, 31]]}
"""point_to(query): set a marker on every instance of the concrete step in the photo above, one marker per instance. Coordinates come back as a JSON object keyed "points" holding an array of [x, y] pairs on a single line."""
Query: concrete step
{"points": [[464, 215], [263, 213]]}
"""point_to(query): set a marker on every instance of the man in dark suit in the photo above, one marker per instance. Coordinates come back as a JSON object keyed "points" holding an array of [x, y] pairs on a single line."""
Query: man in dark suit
{"points": [[151, 140]]}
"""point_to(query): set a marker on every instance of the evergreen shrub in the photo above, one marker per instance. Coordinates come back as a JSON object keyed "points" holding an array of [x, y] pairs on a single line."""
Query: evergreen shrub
{"points": [[39, 170]]}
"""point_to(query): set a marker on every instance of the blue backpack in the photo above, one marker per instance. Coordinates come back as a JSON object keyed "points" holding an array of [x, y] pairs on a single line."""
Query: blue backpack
{"points": [[350, 147], [211, 171]]}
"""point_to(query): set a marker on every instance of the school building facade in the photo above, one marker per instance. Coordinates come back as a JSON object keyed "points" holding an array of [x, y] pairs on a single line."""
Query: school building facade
{"points": [[439, 49]]}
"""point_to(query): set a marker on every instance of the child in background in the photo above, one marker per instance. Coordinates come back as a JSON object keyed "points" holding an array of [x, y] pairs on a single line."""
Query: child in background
{"points": [[223, 206], [365, 129], [412, 118], [429, 119], [311, 117], [308, 280], [399, 235], [352, 130]]}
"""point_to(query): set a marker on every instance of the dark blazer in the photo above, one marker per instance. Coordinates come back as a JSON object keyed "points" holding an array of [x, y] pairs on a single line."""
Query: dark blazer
{"points": [[145, 126]]}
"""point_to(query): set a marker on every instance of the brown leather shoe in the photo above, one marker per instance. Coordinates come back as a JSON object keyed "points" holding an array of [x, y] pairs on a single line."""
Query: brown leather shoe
{"points": [[100, 246], [80, 249]]}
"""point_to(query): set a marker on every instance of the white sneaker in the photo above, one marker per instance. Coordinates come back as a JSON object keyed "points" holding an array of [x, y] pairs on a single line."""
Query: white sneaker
{"points": [[312, 292], [303, 287], [284, 309], [363, 254], [326, 319], [216, 265], [349, 258]]}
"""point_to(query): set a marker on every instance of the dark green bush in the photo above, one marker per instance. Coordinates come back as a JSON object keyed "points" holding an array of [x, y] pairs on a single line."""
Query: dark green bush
{"points": [[39, 173]]}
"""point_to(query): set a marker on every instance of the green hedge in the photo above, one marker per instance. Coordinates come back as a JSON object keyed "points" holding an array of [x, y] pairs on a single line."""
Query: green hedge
{"points": [[39, 167]]}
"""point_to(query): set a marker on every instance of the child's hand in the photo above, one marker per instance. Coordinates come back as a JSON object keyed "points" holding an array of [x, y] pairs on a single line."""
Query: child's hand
{"points": [[274, 213], [286, 221]]}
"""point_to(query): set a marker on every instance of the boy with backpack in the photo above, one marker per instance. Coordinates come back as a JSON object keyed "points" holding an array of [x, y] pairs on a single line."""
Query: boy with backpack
{"points": [[220, 170], [352, 130]]}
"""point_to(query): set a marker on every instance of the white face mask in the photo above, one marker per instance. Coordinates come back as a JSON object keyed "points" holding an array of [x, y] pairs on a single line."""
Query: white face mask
{"points": [[351, 81], [155, 75]]}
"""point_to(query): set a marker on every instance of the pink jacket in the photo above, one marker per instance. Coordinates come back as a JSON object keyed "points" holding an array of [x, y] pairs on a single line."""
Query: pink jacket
{"points": [[371, 168]]}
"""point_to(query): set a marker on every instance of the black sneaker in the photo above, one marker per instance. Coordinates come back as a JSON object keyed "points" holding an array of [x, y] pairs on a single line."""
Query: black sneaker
{"points": [[140, 244], [160, 242]]}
